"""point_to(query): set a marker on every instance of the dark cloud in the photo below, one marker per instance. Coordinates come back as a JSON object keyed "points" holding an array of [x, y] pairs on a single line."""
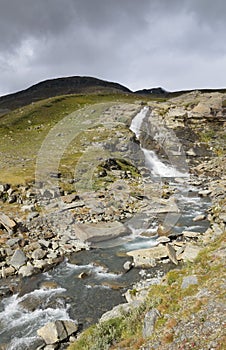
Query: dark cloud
{"points": [[175, 44]]}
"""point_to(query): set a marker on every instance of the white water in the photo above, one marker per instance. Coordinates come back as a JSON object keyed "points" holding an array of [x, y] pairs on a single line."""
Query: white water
{"points": [[14, 317], [137, 121], [158, 168]]}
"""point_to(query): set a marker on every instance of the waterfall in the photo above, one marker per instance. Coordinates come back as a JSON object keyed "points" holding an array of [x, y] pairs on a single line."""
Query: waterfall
{"points": [[152, 162]]}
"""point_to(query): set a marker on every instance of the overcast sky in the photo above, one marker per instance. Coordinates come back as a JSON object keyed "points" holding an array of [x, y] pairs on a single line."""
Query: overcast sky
{"points": [[175, 44]]}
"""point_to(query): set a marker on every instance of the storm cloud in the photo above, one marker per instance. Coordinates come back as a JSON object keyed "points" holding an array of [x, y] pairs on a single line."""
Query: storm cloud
{"points": [[176, 44]]}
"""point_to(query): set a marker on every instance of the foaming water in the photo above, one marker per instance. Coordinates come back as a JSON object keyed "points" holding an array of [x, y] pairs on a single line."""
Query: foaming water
{"points": [[158, 168], [137, 121], [18, 324]]}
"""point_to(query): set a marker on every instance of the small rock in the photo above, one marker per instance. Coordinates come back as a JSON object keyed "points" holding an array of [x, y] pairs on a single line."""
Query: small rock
{"points": [[9, 224], [128, 265], [199, 217], [83, 275], [38, 254], [190, 234], [163, 239], [205, 193], [7, 271]]}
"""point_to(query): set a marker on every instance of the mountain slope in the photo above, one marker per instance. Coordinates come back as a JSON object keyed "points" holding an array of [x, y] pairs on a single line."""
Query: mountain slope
{"points": [[57, 87]]}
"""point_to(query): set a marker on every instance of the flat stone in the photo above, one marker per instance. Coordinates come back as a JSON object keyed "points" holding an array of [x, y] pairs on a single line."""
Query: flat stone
{"points": [[190, 234], [147, 257], [190, 253], [199, 217], [18, 259], [163, 239], [188, 281], [101, 231], [8, 223]]}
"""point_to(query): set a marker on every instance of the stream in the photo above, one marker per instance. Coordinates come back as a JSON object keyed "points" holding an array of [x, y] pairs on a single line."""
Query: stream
{"points": [[61, 293]]}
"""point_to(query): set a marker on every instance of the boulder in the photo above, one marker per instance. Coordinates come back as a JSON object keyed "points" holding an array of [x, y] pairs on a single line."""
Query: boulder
{"points": [[101, 231], [147, 257], [18, 259], [57, 331]]}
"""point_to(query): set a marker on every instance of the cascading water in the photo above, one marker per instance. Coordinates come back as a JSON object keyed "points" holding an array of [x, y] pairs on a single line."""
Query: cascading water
{"points": [[86, 299]]}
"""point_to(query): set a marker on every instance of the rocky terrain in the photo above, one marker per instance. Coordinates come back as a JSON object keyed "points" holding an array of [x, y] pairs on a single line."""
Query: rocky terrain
{"points": [[46, 219]]}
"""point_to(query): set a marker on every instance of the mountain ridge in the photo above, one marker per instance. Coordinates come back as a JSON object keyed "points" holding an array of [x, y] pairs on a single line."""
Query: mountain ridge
{"points": [[80, 85]]}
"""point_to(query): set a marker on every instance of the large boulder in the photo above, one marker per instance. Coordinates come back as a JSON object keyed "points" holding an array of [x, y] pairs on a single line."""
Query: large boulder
{"points": [[101, 231], [57, 331], [147, 257]]}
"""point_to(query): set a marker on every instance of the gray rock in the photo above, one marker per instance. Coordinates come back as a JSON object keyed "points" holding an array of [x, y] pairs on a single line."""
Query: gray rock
{"points": [[147, 257], [190, 253], [9, 224], [27, 270], [189, 280], [18, 259], [38, 254], [172, 253], [120, 309], [101, 231], [54, 332], [149, 322], [71, 327]]}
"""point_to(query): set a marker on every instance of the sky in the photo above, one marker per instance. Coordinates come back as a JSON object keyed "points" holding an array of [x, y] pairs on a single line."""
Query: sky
{"points": [[175, 44]]}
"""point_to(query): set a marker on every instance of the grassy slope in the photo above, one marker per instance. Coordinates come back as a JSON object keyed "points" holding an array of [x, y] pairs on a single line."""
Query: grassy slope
{"points": [[23, 131]]}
